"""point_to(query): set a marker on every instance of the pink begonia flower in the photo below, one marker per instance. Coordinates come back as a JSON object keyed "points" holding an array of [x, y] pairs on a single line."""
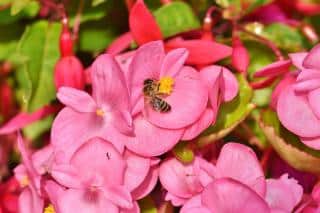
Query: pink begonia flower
{"points": [[105, 114], [203, 186], [182, 88], [111, 182], [30, 199], [312, 202]]}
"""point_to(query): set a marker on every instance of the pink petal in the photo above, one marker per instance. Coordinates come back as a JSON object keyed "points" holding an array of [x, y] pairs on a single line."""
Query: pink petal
{"points": [[68, 124], [179, 179], [108, 84], [189, 97], [30, 202], [201, 51], [66, 175], [286, 81], [150, 140], [147, 185], [228, 196], [136, 171], [307, 74], [240, 55], [306, 86], [194, 205], [54, 191], [146, 63], [297, 59], [173, 62], [301, 112], [207, 118], [120, 44], [23, 119], [312, 59], [228, 83], [283, 193], [275, 69], [119, 195], [134, 209], [143, 25], [311, 142], [80, 201], [240, 163], [42, 159], [314, 101], [76, 99], [175, 200], [107, 161]]}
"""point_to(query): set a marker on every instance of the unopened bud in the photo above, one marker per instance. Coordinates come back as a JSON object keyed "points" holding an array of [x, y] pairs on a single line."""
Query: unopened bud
{"points": [[240, 55], [69, 72]]}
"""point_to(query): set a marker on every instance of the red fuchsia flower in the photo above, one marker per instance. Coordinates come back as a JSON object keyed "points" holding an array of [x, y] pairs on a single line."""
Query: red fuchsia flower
{"points": [[240, 55], [69, 72], [311, 203], [297, 98], [112, 182], [144, 29], [235, 183], [6, 101], [105, 114]]}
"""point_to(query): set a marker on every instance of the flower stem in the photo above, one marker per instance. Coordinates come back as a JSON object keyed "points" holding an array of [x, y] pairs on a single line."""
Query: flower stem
{"points": [[77, 21], [265, 41]]}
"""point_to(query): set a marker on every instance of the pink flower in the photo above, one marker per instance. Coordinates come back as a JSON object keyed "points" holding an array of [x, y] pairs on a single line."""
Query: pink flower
{"points": [[105, 114], [297, 98], [30, 199], [180, 87], [235, 183], [111, 182]]}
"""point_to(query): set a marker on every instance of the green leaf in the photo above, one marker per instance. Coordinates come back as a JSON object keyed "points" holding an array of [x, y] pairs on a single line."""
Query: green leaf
{"points": [[175, 18], [39, 49], [288, 145], [18, 5], [97, 2], [36, 129], [261, 97], [286, 37], [9, 38], [29, 11], [96, 36], [230, 114], [147, 205], [239, 8], [183, 153]]}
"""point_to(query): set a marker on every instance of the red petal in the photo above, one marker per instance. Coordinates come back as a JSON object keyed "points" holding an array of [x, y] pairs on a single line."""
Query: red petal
{"points": [[143, 26]]}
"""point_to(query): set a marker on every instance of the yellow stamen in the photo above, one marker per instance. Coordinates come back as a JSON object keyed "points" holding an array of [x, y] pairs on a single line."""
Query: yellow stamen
{"points": [[166, 85], [49, 209], [100, 112], [24, 181]]}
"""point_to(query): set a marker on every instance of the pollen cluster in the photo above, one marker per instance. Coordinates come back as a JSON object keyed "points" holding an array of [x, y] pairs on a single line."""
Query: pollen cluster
{"points": [[166, 85]]}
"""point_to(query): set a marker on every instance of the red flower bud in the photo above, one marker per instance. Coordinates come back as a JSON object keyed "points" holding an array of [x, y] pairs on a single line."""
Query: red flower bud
{"points": [[69, 72], [66, 42], [240, 55]]}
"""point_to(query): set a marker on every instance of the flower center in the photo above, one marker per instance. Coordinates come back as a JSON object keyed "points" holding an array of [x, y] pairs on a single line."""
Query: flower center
{"points": [[49, 209], [166, 85], [24, 181], [100, 112]]}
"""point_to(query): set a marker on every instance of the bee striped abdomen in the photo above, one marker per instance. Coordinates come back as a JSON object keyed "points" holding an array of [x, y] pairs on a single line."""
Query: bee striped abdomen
{"points": [[160, 105]]}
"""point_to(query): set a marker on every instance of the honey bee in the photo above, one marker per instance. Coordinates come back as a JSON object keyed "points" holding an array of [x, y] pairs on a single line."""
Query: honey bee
{"points": [[151, 91]]}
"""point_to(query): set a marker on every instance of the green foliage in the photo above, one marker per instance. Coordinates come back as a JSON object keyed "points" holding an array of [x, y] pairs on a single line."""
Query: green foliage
{"points": [[287, 38], [183, 153], [36, 55], [27, 11], [288, 145], [175, 18], [9, 38], [230, 114], [97, 2]]}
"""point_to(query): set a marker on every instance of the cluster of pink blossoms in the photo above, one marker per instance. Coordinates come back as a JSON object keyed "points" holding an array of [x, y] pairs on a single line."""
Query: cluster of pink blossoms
{"points": [[103, 149]]}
